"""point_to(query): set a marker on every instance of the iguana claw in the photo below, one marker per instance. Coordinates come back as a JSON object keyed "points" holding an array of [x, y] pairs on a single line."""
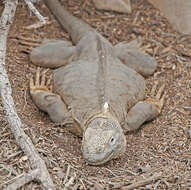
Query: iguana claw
{"points": [[40, 82], [157, 100]]}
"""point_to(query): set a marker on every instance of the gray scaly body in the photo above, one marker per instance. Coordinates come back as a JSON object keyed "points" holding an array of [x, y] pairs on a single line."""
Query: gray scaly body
{"points": [[98, 89]]}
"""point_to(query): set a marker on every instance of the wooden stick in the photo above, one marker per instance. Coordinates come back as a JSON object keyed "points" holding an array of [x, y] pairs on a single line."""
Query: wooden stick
{"points": [[35, 11], [143, 182], [37, 164], [22, 180]]}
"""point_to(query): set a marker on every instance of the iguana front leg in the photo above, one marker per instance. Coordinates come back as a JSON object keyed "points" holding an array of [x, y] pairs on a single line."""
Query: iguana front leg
{"points": [[46, 100], [145, 110]]}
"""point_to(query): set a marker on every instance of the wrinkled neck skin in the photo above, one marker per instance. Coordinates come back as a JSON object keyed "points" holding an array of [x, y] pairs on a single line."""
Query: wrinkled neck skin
{"points": [[103, 139]]}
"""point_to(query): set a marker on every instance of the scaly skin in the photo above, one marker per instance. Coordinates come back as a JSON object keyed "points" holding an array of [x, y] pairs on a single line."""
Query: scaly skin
{"points": [[97, 91]]}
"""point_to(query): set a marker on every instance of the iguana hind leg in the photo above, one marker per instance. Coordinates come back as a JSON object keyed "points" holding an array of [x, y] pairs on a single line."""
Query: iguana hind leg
{"points": [[53, 54], [46, 100], [132, 56], [146, 110]]}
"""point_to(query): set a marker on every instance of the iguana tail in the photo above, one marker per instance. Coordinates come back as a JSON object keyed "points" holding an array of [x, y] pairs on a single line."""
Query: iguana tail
{"points": [[75, 27]]}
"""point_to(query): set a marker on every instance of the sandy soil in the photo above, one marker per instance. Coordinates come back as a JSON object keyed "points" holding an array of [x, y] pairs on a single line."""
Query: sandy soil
{"points": [[161, 145]]}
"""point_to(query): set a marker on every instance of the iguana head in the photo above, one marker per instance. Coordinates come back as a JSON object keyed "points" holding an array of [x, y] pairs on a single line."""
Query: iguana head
{"points": [[103, 140]]}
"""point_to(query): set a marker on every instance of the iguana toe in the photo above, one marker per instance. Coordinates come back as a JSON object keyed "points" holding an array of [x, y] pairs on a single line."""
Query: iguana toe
{"points": [[40, 82], [158, 99]]}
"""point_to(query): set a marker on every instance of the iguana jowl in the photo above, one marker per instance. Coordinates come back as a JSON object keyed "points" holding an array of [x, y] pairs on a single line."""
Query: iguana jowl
{"points": [[98, 91]]}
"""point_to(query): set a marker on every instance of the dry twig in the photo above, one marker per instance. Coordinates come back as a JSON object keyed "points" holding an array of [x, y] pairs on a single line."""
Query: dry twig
{"points": [[22, 180], [143, 182], [35, 11], [37, 25], [38, 166]]}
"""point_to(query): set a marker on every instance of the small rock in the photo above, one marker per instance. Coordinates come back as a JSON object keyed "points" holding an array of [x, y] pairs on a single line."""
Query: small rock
{"points": [[60, 174], [188, 65], [24, 158], [144, 169], [123, 6], [187, 133]]}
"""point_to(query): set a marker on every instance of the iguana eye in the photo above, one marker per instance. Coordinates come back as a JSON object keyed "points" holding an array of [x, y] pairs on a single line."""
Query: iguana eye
{"points": [[112, 141]]}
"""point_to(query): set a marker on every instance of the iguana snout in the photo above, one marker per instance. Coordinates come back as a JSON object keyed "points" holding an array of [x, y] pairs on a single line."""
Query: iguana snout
{"points": [[102, 140]]}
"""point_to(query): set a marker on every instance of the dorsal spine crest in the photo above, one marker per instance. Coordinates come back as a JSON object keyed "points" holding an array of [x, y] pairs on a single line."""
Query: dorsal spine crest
{"points": [[102, 72]]}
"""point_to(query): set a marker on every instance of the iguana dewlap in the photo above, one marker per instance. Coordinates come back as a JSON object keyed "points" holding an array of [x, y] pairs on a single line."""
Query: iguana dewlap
{"points": [[98, 89]]}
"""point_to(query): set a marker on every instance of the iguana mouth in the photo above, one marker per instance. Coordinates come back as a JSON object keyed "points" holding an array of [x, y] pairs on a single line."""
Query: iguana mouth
{"points": [[109, 156], [104, 160]]}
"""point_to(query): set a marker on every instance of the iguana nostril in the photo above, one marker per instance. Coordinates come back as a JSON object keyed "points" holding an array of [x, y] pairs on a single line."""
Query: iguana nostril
{"points": [[100, 149]]}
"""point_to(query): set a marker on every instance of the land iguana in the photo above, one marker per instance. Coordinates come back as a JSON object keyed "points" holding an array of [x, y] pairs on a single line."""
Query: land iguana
{"points": [[98, 89]]}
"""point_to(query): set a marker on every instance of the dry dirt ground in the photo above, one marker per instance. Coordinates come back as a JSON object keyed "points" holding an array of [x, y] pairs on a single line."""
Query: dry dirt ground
{"points": [[162, 145]]}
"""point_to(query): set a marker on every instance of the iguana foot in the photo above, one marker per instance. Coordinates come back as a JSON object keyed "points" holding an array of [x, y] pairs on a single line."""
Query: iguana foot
{"points": [[53, 54], [131, 54], [158, 99], [40, 83], [46, 100]]}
